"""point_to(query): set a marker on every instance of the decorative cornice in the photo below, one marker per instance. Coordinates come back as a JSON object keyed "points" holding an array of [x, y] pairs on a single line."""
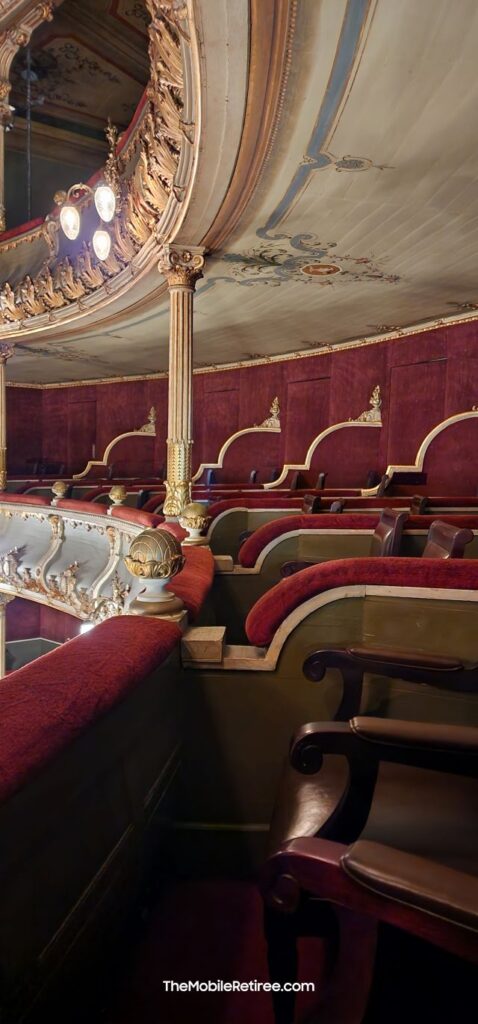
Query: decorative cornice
{"points": [[324, 350]]}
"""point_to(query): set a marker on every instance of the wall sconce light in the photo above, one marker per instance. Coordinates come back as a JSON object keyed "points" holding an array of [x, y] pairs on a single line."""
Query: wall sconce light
{"points": [[70, 204]]}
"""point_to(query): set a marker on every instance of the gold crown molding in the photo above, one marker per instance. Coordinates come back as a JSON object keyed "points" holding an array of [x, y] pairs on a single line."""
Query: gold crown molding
{"points": [[154, 194], [147, 430], [417, 465], [272, 26], [363, 424], [324, 350]]}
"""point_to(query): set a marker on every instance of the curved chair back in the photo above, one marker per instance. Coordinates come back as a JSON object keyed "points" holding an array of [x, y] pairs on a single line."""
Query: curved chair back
{"points": [[446, 541], [320, 484], [388, 533], [419, 505], [337, 506], [253, 476], [383, 485], [311, 504]]}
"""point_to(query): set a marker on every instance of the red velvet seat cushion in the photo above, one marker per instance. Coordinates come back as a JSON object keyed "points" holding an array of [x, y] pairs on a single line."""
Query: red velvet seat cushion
{"points": [[193, 584], [46, 704], [255, 544], [273, 607], [152, 503], [82, 506], [23, 499], [136, 515]]}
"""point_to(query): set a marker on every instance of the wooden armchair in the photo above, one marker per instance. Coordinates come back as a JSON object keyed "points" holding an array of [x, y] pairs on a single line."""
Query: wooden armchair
{"points": [[375, 822]]}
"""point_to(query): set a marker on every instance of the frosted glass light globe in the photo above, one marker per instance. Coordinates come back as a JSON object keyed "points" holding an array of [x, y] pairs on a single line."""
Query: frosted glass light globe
{"points": [[101, 244], [105, 202], [70, 221]]}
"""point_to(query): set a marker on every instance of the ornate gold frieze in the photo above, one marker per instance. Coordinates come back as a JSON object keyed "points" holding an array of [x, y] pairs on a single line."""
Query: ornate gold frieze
{"points": [[374, 414], [145, 185], [273, 420]]}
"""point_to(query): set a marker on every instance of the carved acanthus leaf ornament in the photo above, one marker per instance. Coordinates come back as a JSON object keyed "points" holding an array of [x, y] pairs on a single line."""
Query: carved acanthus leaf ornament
{"points": [[143, 174]]}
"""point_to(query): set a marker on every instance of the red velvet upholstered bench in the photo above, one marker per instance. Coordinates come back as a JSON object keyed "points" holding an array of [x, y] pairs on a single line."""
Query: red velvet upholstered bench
{"points": [[264, 535], [89, 746], [272, 608]]}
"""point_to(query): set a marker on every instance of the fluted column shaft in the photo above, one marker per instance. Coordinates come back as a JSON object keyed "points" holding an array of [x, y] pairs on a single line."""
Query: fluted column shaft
{"points": [[181, 267], [6, 351]]}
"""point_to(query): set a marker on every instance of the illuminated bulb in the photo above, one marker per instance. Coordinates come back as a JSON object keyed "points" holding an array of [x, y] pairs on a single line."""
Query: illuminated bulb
{"points": [[101, 244], [105, 202], [70, 221]]}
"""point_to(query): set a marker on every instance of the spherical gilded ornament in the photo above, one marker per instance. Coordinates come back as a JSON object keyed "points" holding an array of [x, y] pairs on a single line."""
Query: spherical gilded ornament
{"points": [[193, 513], [59, 488], [117, 493], [155, 554]]}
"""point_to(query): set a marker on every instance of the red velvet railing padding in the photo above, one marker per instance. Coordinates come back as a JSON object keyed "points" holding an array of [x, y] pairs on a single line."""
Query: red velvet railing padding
{"points": [[273, 607], [81, 506], [261, 537], [47, 704], [136, 515], [193, 584], [22, 499]]}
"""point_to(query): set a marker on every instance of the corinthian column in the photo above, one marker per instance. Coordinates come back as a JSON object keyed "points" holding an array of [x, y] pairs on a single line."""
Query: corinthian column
{"points": [[6, 350], [182, 267]]}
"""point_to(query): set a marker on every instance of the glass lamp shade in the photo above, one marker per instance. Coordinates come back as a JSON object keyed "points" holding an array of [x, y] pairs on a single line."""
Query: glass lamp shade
{"points": [[105, 202], [101, 244], [70, 221]]}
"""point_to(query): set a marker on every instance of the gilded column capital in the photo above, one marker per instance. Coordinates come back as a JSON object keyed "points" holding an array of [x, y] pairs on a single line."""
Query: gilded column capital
{"points": [[182, 265], [6, 351]]}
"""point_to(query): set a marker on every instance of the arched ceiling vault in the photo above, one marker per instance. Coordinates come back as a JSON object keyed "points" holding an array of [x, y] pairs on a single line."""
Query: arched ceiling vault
{"points": [[335, 189]]}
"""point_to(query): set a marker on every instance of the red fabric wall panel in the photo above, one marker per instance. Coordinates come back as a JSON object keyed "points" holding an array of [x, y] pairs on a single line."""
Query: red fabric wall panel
{"points": [[26, 619], [424, 378], [451, 462], [306, 415], [24, 412], [416, 404], [347, 456], [252, 451]]}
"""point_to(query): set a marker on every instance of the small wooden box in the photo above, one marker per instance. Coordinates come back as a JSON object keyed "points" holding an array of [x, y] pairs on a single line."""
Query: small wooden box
{"points": [[203, 644]]}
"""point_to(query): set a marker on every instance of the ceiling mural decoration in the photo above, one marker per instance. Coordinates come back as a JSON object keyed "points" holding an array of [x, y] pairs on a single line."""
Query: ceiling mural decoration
{"points": [[132, 12], [290, 259], [369, 183]]}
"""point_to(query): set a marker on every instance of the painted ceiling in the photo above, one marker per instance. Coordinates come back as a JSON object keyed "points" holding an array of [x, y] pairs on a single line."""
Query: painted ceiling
{"points": [[89, 64], [365, 218]]}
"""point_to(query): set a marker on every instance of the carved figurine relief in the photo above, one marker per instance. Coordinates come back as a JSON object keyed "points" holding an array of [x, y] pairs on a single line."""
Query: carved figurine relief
{"points": [[273, 419], [374, 414]]}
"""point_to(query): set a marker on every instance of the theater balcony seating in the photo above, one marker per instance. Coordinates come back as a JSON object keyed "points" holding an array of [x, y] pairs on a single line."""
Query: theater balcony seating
{"points": [[375, 822]]}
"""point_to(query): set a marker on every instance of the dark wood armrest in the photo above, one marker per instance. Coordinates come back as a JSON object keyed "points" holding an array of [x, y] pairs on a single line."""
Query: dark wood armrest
{"points": [[363, 740], [353, 662]]}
